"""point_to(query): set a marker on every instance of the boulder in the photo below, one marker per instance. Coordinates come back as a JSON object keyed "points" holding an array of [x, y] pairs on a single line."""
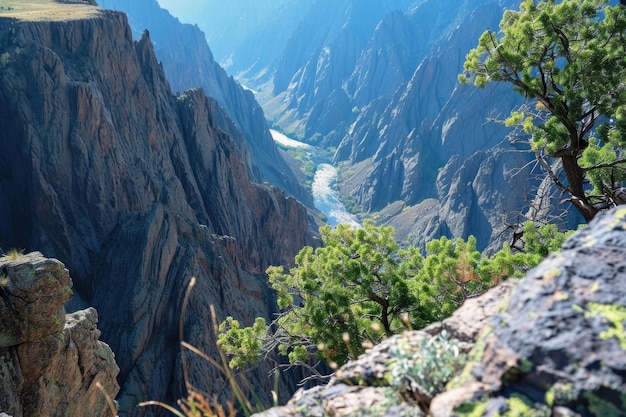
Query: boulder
{"points": [[560, 342], [51, 364], [549, 344]]}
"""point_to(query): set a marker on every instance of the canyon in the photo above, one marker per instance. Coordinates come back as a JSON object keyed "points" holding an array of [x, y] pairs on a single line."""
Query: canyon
{"points": [[131, 156], [136, 190], [375, 84]]}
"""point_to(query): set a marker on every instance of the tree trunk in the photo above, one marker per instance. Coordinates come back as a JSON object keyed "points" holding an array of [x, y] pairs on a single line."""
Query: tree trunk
{"points": [[575, 178], [384, 315]]}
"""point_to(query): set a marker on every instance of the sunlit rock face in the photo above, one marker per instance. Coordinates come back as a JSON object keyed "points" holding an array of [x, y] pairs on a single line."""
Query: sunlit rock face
{"points": [[135, 190], [51, 363]]}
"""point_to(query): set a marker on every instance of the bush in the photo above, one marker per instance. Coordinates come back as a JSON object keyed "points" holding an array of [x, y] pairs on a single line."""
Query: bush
{"points": [[360, 287], [431, 367]]}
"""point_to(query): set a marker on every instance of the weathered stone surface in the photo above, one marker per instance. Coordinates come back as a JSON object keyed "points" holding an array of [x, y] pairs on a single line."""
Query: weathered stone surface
{"points": [[551, 343], [34, 290], [560, 342], [470, 319], [51, 364]]}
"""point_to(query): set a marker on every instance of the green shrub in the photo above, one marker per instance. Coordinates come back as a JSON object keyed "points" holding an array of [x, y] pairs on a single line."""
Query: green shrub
{"points": [[5, 59], [244, 344], [361, 286], [432, 366]]}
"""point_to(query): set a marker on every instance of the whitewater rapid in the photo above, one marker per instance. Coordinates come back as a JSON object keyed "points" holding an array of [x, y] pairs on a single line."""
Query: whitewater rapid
{"points": [[325, 197]]}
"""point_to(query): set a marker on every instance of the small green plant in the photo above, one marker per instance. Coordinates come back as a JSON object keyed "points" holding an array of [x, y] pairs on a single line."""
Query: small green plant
{"points": [[431, 367], [560, 393], [474, 409], [5, 59], [615, 315], [244, 344], [308, 168], [350, 203], [520, 406]]}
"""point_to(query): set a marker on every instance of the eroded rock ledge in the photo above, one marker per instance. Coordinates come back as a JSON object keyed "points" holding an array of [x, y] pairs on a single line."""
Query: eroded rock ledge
{"points": [[550, 344], [50, 363]]}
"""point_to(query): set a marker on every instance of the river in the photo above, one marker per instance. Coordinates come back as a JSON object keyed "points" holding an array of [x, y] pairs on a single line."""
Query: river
{"points": [[325, 197]]}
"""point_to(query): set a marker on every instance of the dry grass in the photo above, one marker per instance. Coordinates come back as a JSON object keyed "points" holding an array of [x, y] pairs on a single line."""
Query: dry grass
{"points": [[42, 10], [14, 254]]}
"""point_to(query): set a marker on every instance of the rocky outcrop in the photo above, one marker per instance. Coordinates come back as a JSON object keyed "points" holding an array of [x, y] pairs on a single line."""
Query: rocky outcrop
{"points": [[51, 363], [549, 344], [559, 344], [136, 191]]}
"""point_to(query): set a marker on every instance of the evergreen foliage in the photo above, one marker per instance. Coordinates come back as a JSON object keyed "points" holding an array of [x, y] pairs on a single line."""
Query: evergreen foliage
{"points": [[568, 58], [360, 287]]}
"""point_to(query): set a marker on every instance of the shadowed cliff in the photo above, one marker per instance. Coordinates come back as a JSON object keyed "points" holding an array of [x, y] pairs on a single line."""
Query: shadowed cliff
{"points": [[188, 63], [136, 191]]}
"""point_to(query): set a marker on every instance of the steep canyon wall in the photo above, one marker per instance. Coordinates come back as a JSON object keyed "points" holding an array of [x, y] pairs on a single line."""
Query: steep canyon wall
{"points": [[135, 190]]}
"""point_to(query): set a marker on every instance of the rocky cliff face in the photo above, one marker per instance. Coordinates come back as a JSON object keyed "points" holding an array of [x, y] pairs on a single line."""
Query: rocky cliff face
{"points": [[136, 191], [434, 139], [188, 63], [550, 344], [51, 363], [377, 82], [318, 59]]}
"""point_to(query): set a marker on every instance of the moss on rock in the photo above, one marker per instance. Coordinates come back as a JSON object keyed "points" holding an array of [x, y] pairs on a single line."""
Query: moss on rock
{"points": [[615, 315]]}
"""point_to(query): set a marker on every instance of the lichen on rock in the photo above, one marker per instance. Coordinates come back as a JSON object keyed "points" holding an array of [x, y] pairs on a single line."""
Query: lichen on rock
{"points": [[558, 344]]}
